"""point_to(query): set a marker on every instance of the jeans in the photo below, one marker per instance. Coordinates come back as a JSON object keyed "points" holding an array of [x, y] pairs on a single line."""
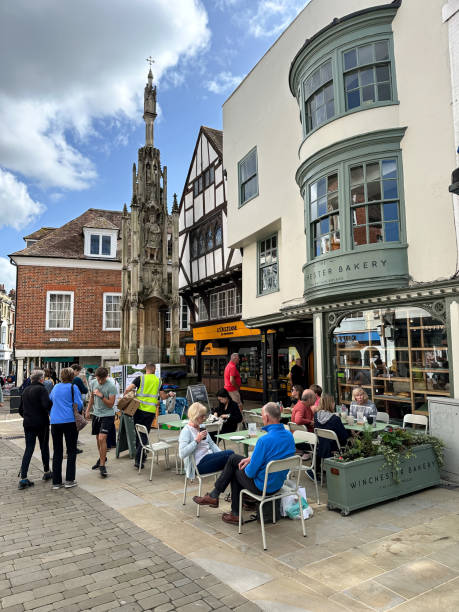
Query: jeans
{"points": [[59, 431], [214, 462], [238, 480], [142, 417], [31, 436]]}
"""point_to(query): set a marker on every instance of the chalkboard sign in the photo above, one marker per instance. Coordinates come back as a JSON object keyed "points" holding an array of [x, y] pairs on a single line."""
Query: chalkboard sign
{"points": [[197, 393], [126, 436]]}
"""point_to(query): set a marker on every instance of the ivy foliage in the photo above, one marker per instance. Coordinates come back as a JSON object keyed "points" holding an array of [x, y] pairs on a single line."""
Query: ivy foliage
{"points": [[395, 446]]}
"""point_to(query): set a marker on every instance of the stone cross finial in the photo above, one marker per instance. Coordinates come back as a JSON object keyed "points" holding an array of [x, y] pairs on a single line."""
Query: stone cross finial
{"points": [[150, 60]]}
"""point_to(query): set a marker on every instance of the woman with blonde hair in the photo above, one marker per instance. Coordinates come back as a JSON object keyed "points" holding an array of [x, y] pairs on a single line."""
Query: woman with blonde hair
{"points": [[361, 401], [194, 441]]}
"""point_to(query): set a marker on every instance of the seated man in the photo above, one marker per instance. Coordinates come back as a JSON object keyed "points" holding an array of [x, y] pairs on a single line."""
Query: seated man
{"points": [[249, 472]]}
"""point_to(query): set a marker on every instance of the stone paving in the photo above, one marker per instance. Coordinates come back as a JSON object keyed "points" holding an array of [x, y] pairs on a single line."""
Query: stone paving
{"points": [[67, 550]]}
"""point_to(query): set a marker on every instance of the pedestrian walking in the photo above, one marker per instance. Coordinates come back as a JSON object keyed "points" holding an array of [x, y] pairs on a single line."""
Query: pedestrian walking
{"points": [[80, 381], [62, 418], [233, 380], [147, 386], [34, 408], [101, 402], [48, 382]]}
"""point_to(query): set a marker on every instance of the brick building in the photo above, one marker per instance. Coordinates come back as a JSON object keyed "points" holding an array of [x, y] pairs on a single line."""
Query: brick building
{"points": [[68, 294]]}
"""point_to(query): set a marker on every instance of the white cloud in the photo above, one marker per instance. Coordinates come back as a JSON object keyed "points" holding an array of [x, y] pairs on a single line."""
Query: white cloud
{"points": [[273, 16], [264, 18], [68, 65], [223, 82], [17, 208], [7, 274]]}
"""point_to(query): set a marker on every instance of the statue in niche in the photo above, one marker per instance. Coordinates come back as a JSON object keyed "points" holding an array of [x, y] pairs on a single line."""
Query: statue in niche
{"points": [[152, 241]]}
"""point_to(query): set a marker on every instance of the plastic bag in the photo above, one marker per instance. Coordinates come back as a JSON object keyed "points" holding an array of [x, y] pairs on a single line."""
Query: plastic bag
{"points": [[290, 506]]}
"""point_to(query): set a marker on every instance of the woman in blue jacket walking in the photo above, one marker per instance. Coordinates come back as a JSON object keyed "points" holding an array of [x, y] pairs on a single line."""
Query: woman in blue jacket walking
{"points": [[62, 420]]}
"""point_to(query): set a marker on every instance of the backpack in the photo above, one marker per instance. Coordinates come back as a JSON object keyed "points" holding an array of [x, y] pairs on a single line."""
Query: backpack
{"points": [[267, 512]]}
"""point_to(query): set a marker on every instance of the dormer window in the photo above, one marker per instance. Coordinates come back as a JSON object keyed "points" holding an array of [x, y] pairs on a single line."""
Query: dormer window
{"points": [[30, 242], [100, 243]]}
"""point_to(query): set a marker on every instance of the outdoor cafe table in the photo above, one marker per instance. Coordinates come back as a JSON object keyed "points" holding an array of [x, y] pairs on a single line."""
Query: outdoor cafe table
{"points": [[180, 424], [374, 428], [242, 437]]}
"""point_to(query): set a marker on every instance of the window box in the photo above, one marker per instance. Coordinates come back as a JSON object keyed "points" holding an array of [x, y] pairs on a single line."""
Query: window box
{"points": [[364, 482]]}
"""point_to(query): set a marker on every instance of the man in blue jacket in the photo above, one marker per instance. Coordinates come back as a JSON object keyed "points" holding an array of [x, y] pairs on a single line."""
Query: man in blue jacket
{"points": [[249, 472]]}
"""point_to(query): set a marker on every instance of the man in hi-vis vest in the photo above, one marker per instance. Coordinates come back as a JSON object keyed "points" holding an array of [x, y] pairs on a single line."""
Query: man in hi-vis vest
{"points": [[147, 393]]}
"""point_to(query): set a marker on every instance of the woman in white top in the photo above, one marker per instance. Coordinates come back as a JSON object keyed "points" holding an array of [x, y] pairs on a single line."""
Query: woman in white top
{"points": [[360, 401], [195, 442]]}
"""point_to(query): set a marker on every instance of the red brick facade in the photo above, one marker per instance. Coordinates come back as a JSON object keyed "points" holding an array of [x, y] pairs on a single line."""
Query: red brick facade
{"points": [[88, 285]]}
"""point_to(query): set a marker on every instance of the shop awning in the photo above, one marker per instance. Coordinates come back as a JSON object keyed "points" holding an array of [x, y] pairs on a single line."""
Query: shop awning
{"points": [[212, 350]]}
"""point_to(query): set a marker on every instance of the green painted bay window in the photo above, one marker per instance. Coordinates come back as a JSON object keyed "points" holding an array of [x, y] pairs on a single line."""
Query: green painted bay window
{"points": [[374, 202], [324, 213], [347, 67]]}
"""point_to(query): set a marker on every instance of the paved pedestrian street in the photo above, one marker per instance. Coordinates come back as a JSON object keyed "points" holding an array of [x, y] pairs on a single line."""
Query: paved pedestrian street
{"points": [[67, 550]]}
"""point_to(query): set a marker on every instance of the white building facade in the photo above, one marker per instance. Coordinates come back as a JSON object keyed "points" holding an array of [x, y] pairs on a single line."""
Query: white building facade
{"points": [[353, 159]]}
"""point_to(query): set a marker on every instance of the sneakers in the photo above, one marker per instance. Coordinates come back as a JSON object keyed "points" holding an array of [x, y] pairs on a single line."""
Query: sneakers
{"points": [[57, 486], [24, 483], [70, 483], [47, 476], [103, 471]]}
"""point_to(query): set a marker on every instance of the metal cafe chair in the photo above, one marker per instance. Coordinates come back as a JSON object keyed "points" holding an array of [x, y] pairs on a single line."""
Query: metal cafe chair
{"points": [[328, 434], [301, 435], [151, 447], [173, 437], [293, 464], [382, 416], [199, 478], [416, 419], [250, 417]]}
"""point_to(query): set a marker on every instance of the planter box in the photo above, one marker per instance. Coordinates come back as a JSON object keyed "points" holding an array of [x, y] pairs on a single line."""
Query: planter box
{"points": [[364, 482]]}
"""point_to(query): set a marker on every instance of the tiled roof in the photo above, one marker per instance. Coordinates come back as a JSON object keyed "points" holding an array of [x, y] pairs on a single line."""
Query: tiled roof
{"points": [[215, 137], [39, 234], [68, 241]]}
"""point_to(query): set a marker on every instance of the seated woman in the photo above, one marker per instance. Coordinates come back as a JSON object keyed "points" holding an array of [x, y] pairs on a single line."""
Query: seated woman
{"points": [[227, 410], [195, 442], [295, 394], [325, 418], [318, 391], [360, 401]]}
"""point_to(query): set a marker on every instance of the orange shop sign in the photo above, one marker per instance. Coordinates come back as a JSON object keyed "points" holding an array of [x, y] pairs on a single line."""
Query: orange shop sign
{"points": [[232, 329]]}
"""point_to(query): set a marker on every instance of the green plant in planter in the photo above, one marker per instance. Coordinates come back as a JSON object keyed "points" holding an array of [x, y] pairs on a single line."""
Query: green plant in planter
{"points": [[393, 445]]}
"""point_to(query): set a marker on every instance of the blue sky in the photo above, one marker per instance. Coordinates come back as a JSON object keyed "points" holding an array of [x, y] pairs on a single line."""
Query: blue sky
{"points": [[72, 92]]}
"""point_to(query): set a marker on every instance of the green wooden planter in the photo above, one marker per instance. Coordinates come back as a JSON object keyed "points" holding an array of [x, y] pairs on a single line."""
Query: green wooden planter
{"points": [[365, 482]]}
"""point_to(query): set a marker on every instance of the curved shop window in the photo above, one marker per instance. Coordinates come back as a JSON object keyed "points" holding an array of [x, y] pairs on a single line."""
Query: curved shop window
{"points": [[398, 355], [346, 67]]}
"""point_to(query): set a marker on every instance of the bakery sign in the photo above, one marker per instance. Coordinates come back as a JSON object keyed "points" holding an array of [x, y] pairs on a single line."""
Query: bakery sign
{"points": [[356, 267]]}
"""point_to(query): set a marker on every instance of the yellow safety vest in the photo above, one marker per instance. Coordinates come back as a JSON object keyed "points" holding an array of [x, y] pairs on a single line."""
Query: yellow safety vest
{"points": [[148, 392]]}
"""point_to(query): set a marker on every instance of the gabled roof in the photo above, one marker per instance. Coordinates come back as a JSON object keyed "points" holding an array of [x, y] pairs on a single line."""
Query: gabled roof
{"points": [[39, 234], [215, 137], [100, 223], [68, 241]]}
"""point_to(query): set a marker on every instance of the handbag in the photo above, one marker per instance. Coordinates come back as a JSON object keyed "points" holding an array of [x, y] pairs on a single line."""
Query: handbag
{"points": [[80, 421]]}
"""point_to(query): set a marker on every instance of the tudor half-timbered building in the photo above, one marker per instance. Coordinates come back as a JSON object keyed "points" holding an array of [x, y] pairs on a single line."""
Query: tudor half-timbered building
{"points": [[210, 271]]}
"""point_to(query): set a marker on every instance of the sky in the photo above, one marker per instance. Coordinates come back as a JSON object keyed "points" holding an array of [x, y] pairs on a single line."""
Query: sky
{"points": [[71, 96]]}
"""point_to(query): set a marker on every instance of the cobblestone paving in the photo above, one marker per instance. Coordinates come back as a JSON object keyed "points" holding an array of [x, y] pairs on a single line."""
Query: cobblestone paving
{"points": [[66, 550]]}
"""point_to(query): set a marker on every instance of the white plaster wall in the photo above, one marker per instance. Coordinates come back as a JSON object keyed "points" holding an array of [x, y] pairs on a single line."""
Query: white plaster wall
{"points": [[209, 197], [182, 219], [218, 174], [210, 264], [219, 196], [198, 207], [218, 260], [205, 152], [189, 198], [212, 154], [189, 218]]}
